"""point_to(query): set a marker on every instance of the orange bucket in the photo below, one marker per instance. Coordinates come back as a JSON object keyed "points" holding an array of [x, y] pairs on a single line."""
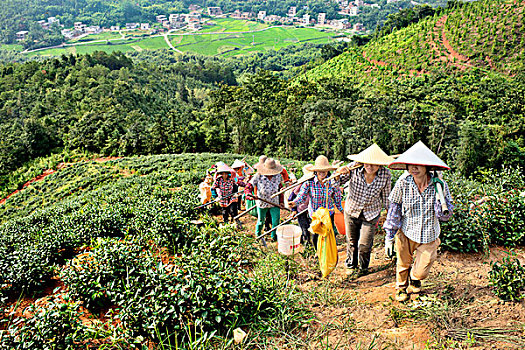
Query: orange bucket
{"points": [[339, 219]]}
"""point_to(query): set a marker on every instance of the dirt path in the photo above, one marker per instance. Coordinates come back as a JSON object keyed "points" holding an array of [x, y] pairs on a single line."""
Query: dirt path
{"points": [[356, 312]]}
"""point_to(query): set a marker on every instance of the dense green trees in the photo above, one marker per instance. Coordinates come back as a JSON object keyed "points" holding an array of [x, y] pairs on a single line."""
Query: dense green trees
{"points": [[108, 104], [467, 118], [101, 103]]}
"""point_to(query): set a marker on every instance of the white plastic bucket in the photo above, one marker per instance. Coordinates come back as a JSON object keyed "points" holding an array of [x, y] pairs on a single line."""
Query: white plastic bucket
{"points": [[288, 239]]}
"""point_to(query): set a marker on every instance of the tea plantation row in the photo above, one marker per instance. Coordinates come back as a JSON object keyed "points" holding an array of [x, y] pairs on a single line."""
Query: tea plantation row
{"points": [[118, 234], [125, 243]]}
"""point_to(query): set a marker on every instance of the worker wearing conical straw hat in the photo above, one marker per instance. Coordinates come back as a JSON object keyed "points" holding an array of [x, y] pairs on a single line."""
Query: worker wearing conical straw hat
{"points": [[267, 181], [320, 194], [368, 190], [224, 185], [418, 202]]}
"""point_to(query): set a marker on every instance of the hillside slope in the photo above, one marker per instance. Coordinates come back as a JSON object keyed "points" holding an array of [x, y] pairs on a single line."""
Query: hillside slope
{"points": [[106, 252], [487, 35]]}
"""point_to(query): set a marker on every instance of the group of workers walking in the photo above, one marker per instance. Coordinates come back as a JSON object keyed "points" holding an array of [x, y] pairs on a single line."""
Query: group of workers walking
{"points": [[415, 205]]}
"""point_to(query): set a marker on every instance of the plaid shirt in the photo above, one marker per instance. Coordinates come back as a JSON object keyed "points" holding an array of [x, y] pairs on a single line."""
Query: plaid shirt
{"points": [[317, 194], [416, 214], [367, 198], [225, 189]]}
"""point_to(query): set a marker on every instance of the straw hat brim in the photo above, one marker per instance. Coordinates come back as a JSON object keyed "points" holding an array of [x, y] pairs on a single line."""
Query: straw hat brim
{"points": [[404, 166], [313, 168], [372, 155], [267, 171], [305, 170], [419, 154], [237, 164], [223, 168]]}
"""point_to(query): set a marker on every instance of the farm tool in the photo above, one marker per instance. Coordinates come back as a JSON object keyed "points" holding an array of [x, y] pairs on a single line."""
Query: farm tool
{"points": [[244, 212], [292, 186], [439, 188], [216, 200]]}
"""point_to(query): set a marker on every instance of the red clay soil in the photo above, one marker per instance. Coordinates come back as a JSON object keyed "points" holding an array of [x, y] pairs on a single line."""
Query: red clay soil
{"points": [[38, 178], [376, 63], [51, 171], [451, 56]]}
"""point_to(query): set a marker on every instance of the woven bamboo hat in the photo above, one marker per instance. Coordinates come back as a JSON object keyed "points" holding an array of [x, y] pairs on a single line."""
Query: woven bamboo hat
{"points": [[237, 164], [306, 173], [419, 154], [270, 167], [223, 168], [262, 159], [321, 164], [372, 155]]}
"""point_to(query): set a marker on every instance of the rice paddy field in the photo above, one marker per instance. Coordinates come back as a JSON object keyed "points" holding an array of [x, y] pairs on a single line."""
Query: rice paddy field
{"points": [[245, 43], [231, 25], [208, 41]]}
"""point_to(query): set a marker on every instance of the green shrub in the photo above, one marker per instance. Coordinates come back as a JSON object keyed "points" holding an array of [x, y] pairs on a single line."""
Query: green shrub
{"points": [[462, 233], [504, 219], [98, 278], [57, 325], [499, 220], [508, 279]]}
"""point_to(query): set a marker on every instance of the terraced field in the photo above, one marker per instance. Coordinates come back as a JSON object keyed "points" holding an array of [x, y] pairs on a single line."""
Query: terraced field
{"points": [[484, 35]]}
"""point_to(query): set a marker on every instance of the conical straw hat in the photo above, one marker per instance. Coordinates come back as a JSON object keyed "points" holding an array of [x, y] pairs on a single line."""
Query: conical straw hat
{"points": [[237, 164], [270, 167], [418, 154], [372, 155], [223, 168], [321, 164], [262, 159], [306, 173]]}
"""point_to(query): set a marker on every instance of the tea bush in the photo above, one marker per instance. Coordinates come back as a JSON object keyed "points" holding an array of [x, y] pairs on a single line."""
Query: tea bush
{"points": [[32, 245], [205, 287], [57, 325], [463, 232], [508, 279], [504, 219], [500, 220], [127, 243]]}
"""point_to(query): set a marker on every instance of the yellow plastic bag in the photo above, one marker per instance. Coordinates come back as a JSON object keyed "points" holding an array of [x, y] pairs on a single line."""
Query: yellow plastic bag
{"points": [[326, 246]]}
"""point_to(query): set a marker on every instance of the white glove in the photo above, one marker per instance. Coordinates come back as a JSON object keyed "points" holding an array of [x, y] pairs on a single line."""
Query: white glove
{"points": [[389, 247]]}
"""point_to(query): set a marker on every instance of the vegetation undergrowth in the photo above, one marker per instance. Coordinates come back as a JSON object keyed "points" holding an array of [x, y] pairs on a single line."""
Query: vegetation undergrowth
{"points": [[125, 247], [508, 278]]}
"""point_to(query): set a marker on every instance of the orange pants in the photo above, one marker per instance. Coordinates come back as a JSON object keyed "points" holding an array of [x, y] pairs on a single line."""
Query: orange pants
{"points": [[414, 258]]}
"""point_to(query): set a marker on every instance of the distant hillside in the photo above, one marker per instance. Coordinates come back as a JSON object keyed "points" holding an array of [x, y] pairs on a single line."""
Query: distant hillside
{"points": [[485, 34]]}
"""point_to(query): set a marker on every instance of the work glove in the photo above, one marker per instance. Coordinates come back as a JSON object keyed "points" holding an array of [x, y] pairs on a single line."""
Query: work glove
{"points": [[389, 247]]}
